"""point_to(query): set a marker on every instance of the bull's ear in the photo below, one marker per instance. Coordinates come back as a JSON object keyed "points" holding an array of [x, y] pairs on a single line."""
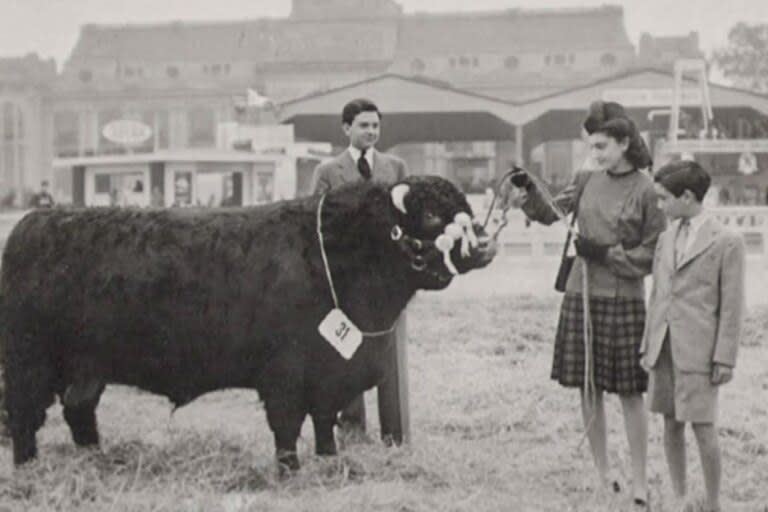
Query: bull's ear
{"points": [[398, 194]]}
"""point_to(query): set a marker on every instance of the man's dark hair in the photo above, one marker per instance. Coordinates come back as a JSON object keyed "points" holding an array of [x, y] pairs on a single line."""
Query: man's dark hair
{"points": [[354, 107], [677, 177]]}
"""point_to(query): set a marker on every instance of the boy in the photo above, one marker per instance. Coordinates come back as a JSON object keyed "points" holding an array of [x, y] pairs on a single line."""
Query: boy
{"points": [[361, 122], [694, 322]]}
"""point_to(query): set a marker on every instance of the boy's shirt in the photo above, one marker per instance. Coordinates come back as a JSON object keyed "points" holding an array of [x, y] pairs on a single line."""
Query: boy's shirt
{"points": [[695, 224], [698, 299]]}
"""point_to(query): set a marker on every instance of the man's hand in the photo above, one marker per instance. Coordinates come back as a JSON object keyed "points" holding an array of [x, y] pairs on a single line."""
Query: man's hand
{"points": [[721, 374], [520, 178], [589, 249]]}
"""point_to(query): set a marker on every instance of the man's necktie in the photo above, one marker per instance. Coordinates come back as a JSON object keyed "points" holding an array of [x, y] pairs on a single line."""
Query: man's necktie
{"points": [[681, 240], [363, 166]]}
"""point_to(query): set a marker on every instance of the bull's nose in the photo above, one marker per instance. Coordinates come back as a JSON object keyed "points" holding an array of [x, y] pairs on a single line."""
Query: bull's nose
{"points": [[479, 230]]}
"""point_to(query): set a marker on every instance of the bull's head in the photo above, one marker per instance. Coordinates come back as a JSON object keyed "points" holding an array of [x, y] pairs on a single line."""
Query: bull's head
{"points": [[436, 232]]}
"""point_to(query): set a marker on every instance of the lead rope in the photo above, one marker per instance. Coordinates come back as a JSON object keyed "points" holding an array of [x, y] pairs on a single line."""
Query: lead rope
{"points": [[589, 389], [590, 392], [328, 270]]}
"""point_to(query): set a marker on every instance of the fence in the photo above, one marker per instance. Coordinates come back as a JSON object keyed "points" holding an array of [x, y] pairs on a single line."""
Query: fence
{"points": [[521, 239]]}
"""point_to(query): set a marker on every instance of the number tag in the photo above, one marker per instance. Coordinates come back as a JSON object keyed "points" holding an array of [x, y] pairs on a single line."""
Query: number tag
{"points": [[341, 333]]}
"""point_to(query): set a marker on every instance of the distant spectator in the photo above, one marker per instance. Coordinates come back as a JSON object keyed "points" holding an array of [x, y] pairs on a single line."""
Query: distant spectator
{"points": [[42, 199]]}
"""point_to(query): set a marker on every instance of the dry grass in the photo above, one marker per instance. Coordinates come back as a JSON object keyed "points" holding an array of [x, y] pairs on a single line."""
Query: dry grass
{"points": [[491, 432]]}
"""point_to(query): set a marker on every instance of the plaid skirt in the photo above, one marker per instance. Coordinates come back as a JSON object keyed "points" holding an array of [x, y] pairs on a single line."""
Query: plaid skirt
{"points": [[617, 331]]}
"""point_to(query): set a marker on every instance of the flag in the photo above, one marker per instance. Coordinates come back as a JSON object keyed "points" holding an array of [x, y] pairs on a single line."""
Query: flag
{"points": [[257, 100]]}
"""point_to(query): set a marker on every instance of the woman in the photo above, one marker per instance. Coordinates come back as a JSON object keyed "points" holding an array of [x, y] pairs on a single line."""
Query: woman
{"points": [[618, 222]]}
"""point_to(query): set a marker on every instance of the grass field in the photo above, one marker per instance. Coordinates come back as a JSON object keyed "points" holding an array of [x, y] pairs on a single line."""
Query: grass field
{"points": [[491, 433]]}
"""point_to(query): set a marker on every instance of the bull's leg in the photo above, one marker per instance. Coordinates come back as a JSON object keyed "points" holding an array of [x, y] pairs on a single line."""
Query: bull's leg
{"points": [[325, 443], [285, 421], [28, 394], [81, 418]]}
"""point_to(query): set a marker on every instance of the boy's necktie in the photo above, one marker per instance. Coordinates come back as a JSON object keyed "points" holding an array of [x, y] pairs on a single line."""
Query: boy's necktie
{"points": [[363, 166], [681, 241]]}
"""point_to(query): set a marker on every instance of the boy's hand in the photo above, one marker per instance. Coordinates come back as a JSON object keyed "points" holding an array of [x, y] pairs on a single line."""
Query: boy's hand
{"points": [[644, 363], [721, 374]]}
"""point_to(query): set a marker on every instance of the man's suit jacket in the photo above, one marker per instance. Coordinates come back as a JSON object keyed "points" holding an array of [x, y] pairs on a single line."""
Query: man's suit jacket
{"points": [[343, 169], [700, 302]]}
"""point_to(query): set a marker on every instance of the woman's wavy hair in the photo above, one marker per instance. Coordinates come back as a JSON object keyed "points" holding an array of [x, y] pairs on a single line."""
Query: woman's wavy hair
{"points": [[610, 118]]}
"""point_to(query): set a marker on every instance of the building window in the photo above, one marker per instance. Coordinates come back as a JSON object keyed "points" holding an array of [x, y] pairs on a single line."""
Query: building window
{"points": [[608, 60], [12, 150], [215, 69], [128, 72], [464, 62], [548, 60], [101, 183], [452, 61], [511, 62], [475, 62], [9, 126], [202, 130], [560, 59], [418, 66], [172, 71], [226, 69], [161, 129], [85, 75], [66, 134]]}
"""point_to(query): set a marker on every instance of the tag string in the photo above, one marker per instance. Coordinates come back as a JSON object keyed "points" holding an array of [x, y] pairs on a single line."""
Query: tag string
{"points": [[328, 270]]}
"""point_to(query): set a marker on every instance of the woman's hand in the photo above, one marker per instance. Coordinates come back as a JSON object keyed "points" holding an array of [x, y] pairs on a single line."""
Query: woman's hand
{"points": [[520, 178], [590, 250]]}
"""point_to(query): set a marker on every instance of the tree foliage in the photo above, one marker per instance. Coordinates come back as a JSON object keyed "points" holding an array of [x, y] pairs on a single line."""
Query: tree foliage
{"points": [[745, 58]]}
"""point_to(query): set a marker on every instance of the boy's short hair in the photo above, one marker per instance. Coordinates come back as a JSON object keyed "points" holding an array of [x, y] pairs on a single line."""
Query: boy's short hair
{"points": [[677, 177], [354, 107]]}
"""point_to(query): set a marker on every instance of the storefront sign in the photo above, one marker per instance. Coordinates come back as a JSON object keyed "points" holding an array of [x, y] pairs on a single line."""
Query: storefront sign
{"points": [[126, 132], [652, 97]]}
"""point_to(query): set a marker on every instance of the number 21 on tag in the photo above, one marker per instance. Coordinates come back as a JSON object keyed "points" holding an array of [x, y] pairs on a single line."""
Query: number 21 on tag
{"points": [[341, 333]]}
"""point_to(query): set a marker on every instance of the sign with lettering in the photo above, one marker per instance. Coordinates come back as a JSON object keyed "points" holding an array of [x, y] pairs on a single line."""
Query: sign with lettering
{"points": [[127, 132]]}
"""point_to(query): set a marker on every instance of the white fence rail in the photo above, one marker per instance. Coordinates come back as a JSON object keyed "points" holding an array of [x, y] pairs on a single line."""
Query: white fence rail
{"points": [[521, 239]]}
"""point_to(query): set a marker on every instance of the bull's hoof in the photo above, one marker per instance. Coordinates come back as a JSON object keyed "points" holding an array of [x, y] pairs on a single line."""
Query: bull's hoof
{"points": [[287, 464], [23, 453], [392, 440]]}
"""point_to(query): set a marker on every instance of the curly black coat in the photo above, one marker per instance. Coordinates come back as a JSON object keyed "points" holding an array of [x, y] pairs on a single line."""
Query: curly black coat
{"points": [[183, 302]]}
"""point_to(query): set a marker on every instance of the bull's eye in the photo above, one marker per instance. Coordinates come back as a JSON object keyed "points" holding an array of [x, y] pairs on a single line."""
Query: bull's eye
{"points": [[432, 220]]}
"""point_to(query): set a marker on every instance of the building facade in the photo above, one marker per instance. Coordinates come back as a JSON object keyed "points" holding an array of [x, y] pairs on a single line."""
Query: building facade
{"points": [[183, 80]]}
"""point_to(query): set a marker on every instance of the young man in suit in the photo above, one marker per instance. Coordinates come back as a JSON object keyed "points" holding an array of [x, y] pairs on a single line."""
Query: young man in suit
{"points": [[361, 122], [694, 323]]}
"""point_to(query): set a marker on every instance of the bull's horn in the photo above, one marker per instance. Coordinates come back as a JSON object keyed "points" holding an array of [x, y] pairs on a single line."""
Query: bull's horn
{"points": [[398, 196]]}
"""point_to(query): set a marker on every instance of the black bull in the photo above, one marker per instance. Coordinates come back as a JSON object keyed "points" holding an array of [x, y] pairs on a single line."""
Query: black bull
{"points": [[184, 302]]}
